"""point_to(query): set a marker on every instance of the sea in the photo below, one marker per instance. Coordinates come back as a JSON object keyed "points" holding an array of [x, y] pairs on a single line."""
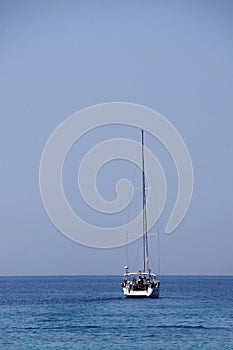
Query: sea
{"points": [[90, 312]]}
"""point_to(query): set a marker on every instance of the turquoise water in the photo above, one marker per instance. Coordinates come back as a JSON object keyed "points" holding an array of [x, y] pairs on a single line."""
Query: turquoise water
{"points": [[91, 313]]}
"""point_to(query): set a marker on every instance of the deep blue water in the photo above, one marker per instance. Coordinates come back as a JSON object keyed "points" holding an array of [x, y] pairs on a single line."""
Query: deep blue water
{"points": [[91, 313]]}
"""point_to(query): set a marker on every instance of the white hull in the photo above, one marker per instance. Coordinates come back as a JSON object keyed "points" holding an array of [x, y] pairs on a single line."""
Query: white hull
{"points": [[151, 292]]}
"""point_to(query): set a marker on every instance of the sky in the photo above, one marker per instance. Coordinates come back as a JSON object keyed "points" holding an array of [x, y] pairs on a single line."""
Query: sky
{"points": [[58, 57]]}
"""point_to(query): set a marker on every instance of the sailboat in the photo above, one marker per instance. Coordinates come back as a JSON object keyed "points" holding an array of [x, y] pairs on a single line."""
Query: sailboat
{"points": [[143, 283]]}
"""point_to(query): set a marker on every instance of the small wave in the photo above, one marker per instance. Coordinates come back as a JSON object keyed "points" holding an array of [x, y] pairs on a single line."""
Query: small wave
{"points": [[64, 327], [179, 326], [87, 326]]}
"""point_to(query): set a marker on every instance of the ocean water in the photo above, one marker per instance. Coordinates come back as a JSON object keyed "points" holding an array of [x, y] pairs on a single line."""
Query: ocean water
{"points": [[91, 313]]}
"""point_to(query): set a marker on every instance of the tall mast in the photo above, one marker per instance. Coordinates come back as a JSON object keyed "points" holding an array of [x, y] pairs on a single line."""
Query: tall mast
{"points": [[145, 238]]}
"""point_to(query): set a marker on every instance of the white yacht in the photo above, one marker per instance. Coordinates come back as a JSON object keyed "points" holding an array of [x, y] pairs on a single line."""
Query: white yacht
{"points": [[142, 283]]}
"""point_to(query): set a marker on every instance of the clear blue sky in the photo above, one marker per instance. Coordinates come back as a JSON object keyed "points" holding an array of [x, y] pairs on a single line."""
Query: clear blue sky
{"points": [[58, 57]]}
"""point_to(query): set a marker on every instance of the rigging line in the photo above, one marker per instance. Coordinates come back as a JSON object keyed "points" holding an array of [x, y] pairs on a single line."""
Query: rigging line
{"points": [[145, 238], [153, 239], [157, 258], [158, 250], [127, 249], [128, 219], [137, 257], [143, 207], [157, 242], [151, 187], [150, 239]]}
